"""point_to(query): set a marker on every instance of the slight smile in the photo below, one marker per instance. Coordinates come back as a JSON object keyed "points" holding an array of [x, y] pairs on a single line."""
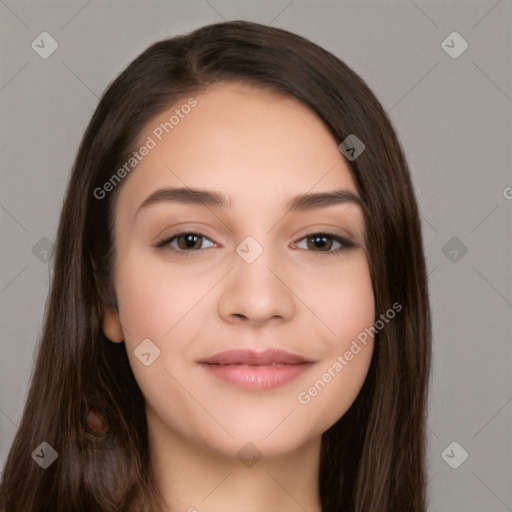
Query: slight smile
{"points": [[252, 370]]}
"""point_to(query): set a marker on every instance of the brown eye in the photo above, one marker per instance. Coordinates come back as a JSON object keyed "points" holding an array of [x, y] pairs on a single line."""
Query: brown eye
{"points": [[185, 242], [328, 243], [319, 241], [189, 241]]}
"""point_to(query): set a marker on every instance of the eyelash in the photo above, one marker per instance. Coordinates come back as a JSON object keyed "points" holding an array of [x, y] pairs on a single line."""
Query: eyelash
{"points": [[346, 244]]}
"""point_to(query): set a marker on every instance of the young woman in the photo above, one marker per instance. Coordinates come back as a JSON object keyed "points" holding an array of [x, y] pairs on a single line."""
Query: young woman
{"points": [[239, 316]]}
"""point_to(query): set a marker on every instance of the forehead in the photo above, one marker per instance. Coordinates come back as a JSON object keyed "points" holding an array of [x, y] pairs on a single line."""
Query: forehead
{"points": [[243, 140]]}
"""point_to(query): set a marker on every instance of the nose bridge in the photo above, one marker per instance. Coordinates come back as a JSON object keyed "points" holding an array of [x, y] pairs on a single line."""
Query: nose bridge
{"points": [[260, 259], [254, 291]]}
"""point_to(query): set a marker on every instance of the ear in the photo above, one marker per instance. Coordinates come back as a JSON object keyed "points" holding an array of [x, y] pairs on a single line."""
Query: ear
{"points": [[112, 326], [107, 308]]}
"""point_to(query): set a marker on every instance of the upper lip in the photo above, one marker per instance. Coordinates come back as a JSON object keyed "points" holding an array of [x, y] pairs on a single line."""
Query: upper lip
{"points": [[252, 358]]}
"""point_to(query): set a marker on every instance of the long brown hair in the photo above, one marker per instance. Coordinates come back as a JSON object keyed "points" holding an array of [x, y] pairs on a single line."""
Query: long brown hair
{"points": [[373, 458]]}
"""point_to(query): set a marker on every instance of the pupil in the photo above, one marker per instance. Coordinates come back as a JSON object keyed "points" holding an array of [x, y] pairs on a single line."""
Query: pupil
{"points": [[320, 242], [190, 240]]}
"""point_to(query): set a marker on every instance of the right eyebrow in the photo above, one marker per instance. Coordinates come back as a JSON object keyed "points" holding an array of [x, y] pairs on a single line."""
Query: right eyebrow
{"points": [[187, 196]]}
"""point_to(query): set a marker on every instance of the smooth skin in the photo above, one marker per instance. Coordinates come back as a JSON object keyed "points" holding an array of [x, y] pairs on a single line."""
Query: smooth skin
{"points": [[260, 148]]}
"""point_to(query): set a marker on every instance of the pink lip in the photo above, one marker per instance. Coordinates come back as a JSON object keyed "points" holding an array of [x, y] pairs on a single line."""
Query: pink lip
{"points": [[256, 370]]}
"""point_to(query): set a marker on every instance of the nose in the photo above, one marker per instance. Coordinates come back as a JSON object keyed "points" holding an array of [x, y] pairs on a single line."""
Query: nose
{"points": [[257, 293]]}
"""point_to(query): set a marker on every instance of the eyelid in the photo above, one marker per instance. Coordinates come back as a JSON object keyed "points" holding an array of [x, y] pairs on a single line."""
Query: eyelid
{"points": [[166, 240], [345, 242]]}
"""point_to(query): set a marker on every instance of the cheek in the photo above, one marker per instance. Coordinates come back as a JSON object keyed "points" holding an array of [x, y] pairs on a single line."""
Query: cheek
{"points": [[347, 308], [342, 300], [157, 303], [154, 298]]}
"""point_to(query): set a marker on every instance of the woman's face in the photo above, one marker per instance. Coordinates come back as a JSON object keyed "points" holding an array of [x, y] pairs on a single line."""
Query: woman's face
{"points": [[197, 278]]}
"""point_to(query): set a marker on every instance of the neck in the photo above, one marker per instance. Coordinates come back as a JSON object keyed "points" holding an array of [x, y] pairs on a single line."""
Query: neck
{"points": [[196, 478]]}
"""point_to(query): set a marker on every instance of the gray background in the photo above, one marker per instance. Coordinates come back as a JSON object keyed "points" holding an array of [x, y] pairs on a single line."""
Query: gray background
{"points": [[453, 116]]}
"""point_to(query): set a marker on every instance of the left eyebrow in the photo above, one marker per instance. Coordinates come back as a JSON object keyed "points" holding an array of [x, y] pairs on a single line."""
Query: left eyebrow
{"points": [[209, 198], [310, 201]]}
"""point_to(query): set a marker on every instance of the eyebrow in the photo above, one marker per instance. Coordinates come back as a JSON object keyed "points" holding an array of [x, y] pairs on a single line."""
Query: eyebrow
{"points": [[210, 198]]}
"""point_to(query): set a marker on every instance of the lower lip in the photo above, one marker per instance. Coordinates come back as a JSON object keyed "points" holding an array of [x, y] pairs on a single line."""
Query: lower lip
{"points": [[257, 377]]}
